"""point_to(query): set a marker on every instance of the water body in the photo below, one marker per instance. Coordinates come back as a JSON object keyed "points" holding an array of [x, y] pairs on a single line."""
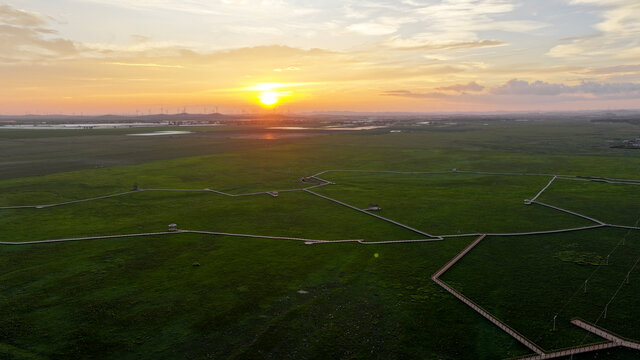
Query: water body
{"points": [[162, 133], [327, 128], [273, 136], [82, 126]]}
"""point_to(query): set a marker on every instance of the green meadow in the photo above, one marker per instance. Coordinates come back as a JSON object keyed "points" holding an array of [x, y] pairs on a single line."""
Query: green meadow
{"points": [[189, 296]]}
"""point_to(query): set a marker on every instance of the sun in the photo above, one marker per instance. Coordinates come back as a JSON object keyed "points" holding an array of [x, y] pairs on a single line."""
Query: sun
{"points": [[269, 98]]}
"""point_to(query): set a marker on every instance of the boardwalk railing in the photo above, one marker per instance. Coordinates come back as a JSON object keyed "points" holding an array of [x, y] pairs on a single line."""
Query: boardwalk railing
{"points": [[544, 189], [457, 258], [568, 351], [89, 238], [614, 340], [513, 333], [569, 212], [594, 329], [371, 214], [504, 327]]}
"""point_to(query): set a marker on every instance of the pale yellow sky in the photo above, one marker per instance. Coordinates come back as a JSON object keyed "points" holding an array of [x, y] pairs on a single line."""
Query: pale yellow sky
{"points": [[117, 56]]}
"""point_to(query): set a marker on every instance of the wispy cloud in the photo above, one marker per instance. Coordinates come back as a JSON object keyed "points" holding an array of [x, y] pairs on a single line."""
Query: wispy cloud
{"points": [[149, 65], [17, 17], [620, 69], [415, 95], [374, 29], [617, 29], [451, 51], [459, 24], [25, 37], [290, 68], [517, 87], [541, 88], [620, 16], [470, 87], [417, 44]]}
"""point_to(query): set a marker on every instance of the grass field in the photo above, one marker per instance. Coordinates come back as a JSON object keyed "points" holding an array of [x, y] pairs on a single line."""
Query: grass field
{"points": [[143, 298], [546, 275], [615, 203], [452, 203]]}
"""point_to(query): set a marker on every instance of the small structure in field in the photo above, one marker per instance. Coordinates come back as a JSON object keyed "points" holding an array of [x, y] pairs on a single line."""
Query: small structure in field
{"points": [[454, 170], [173, 227], [135, 187], [273, 193], [628, 144], [313, 180], [373, 207], [527, 202]]}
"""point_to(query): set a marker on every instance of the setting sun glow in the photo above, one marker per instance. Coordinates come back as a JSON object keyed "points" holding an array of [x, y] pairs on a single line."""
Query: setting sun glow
{"points": [[307, 56], [269, 98]]}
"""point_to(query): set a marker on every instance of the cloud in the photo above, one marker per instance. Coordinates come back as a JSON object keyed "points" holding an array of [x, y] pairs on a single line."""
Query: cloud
{"points": [[620, 69], [275, 52], [470, 87], [251, 30], [461, 24], [150, 65], [617, 31], [290, 68], [24, 37], [411, 94], [437, 25], [17, 17], [462, 20], [373, 29], [414, 44], [525, 90], [541, 88], [620, 16], [236, 9]]}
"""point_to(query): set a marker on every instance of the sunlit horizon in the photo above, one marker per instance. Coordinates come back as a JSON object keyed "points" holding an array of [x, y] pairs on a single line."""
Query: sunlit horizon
{"points": [[117, 57]]}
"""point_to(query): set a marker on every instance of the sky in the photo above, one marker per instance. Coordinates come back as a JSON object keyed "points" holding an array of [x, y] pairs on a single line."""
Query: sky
{"points": [[148, 56]]}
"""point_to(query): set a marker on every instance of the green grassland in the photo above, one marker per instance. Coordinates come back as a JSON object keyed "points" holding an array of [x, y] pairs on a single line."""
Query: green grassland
{"points": [[291, 214], [478, 203], [546, 275], [615, 203], [143, 298]]}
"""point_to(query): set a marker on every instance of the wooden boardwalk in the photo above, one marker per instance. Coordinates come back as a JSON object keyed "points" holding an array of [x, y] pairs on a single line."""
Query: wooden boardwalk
{"points": [[569, 212], [372, 214], [544, 188], [568, 351], [324, 182], [612, 339], [504, 327], [603, 333], [540, 353], [89, 238]]}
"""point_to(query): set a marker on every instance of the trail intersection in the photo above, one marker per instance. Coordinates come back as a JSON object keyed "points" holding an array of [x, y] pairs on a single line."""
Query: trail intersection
{"points": [[612, 340]]}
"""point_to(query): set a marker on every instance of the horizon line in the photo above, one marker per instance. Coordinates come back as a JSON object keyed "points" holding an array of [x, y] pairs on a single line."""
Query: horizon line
{"points": [[325, 112]]}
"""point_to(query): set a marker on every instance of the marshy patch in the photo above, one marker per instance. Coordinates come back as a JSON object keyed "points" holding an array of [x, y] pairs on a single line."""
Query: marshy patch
{"points": [[580, 258]]}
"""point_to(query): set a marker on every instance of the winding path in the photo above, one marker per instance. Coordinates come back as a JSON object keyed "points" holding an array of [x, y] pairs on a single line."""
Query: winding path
{"points": [[372, 214], [613, 340], [177, 232]]}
